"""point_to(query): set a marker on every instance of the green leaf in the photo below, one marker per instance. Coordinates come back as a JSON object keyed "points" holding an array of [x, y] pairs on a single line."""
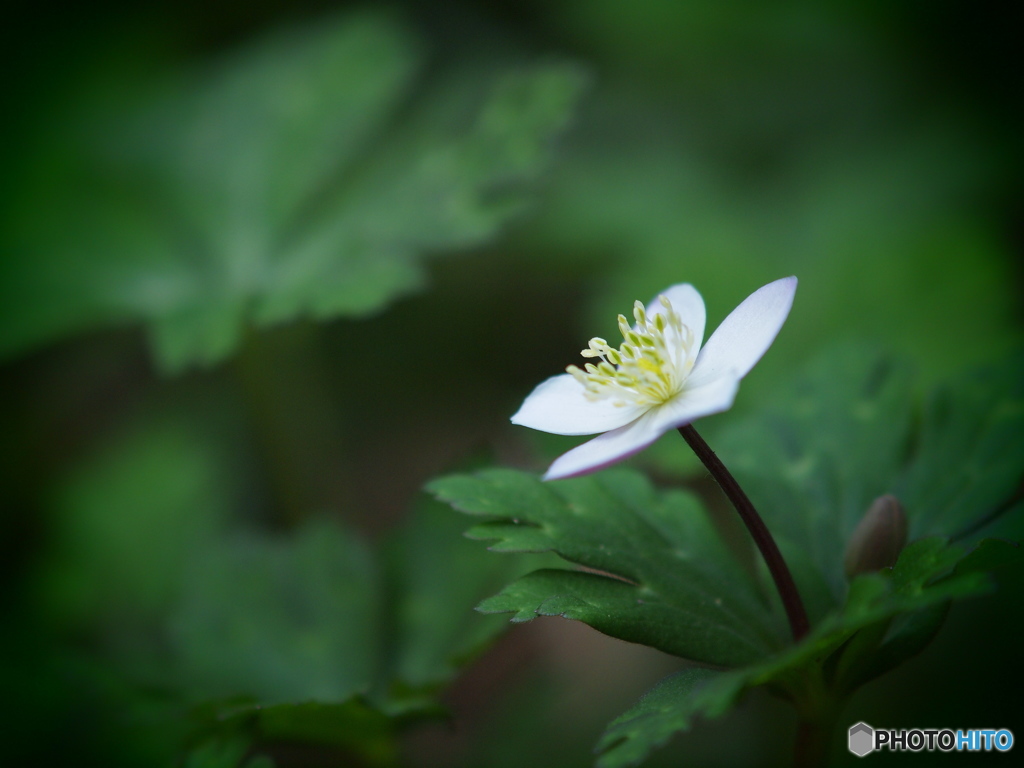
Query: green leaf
{"points": [[921, 584], [351, 724], [659, 574], [844, 433], [304, 176], [314, 637], [663, 711], [878, 649], [969, 457], [437, 576], [279, 620], [814, 460], [127, 521], [350, 728], [225, 753], [990, 555]]}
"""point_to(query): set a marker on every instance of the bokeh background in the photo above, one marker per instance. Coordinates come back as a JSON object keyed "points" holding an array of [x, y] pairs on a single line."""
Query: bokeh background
{"points": [[161, 385]]}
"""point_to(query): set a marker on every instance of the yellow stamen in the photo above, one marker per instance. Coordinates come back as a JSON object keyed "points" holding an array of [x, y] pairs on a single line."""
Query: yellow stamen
{"points": [[651, 365]]}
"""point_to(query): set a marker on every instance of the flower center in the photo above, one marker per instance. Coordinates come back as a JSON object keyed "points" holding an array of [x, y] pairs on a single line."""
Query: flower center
{"points": [[649, 368]]}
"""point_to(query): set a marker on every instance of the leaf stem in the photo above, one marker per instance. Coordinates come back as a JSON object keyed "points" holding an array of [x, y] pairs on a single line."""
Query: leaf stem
{"points": [[795, 611]]}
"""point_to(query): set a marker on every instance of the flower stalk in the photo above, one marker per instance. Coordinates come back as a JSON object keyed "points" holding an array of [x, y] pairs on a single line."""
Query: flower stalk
{"points": [[791, 601]]}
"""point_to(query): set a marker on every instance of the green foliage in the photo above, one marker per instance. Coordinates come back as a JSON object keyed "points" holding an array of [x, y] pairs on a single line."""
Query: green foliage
{"points": [[278, 620], [663, 711], [967, 467], [435, 576], [126, 521], [225, 754], [312, 175], [253, 638], [354, 728], [306, 175], [656, 571], [845, 433], [921, 583], [316, 638]]}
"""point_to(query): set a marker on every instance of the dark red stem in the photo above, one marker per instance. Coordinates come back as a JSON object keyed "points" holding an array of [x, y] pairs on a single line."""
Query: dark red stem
{"points": [[762, 537]]}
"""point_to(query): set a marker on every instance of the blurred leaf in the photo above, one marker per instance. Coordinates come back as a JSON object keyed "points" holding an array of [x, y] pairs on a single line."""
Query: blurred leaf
{"points": [[969, 458], [281, 621], [315, 637], [304, 176], [225, 753], [658, 573], [437, 575], [353, 727], [350, 724], [127, 521], [990, 555]]}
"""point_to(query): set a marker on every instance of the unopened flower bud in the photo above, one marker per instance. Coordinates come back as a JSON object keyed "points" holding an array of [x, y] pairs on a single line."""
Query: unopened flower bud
{"points": [[878, 538]]}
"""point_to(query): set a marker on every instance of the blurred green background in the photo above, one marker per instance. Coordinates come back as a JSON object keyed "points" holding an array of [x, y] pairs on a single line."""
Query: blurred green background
{"points": [[269, 263]]}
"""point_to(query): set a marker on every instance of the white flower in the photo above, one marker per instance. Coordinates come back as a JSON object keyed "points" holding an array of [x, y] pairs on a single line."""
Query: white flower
{"points": [[659, 379]]}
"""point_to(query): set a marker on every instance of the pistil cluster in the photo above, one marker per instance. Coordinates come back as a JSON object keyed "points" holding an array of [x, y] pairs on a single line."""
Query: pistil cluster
{"points": [[651, 365]]}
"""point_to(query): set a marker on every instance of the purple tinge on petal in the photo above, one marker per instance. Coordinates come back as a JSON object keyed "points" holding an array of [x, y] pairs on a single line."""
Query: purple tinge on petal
{"points": [[605, 450], [620, 444], [558, 406], [745, 335]]}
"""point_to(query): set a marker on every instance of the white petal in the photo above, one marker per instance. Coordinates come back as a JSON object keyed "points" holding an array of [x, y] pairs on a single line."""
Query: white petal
{"points": [[606, 449], [697, 401], [622, 443], [559, 406], [687, 302], [745, 335]]}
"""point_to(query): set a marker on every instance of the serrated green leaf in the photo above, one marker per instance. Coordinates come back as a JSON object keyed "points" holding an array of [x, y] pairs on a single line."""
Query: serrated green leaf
{"points": [[923, 575], [304, 176], [617, 609], [663, 711], [841, 436], [662, 575], [921, 584]]}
